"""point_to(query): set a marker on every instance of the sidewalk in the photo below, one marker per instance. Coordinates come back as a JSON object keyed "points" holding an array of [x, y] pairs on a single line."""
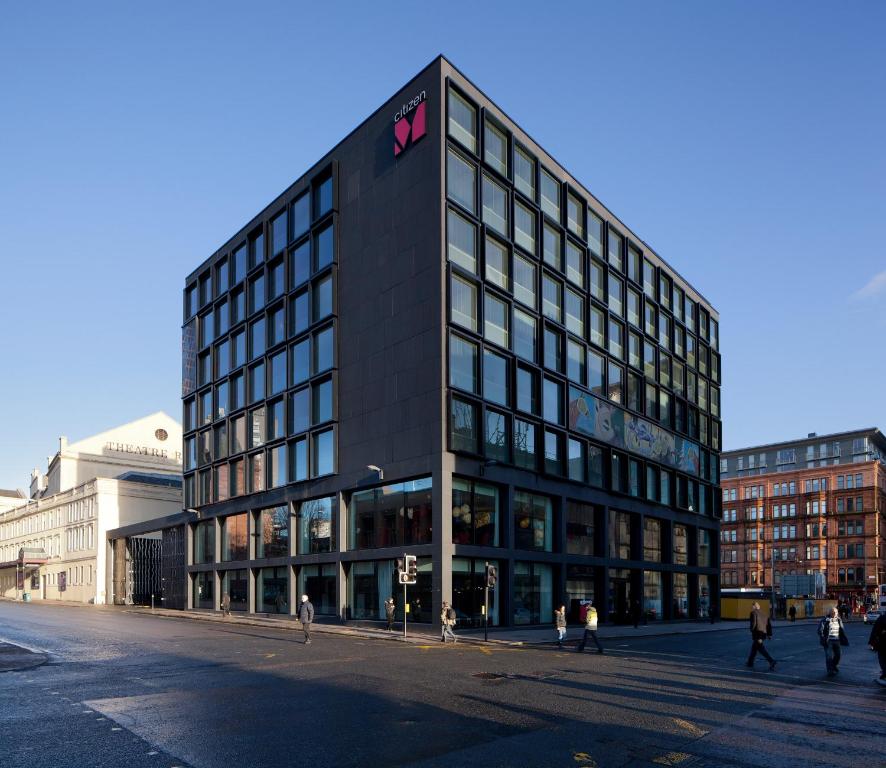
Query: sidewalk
{"points": [[14, 658]]}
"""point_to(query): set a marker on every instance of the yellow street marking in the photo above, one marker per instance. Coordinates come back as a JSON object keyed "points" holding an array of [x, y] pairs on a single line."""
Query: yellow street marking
{"points": [[583, 758], [691, 728], [672, 758], [270, 655]]}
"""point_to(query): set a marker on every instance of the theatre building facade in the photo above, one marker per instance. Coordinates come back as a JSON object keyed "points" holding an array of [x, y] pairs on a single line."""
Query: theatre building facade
{"points": [[438, 342]]}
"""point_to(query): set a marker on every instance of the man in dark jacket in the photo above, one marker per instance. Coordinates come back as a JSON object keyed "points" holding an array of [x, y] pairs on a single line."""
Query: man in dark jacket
{"points": [[306, 616], [877, 641], [761, 629], [389, 613]]}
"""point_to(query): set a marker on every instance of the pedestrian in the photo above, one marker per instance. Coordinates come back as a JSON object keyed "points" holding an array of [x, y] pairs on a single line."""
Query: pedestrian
{"points": [[306, 616], [560, 624], [832, 637], [389, 613], [590, 630], [877, 642], [447, 622], [635, 612], [761, 630], [280, 601], [226, 605], [792, 612]]}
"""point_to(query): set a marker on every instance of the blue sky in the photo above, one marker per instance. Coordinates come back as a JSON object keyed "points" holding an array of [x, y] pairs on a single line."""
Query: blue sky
{"points": [[743, 140]]}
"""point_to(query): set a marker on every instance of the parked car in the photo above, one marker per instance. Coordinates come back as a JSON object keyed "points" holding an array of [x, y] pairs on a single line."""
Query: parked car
{"points": [[872, 615]]}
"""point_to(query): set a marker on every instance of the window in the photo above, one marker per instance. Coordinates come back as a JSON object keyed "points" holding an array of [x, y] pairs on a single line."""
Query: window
{"points": [[524, 172], [495, 320], [257, 338], [649, 278], [597, 280], [524, 281], [462, 120], [390, 516], [464, 432], [619, 535], [575, 361], [300, 264], [551, 247], [616, 338], [323, 453], [616, 288], [527, 391], [276, 279], [596, 373], [576, 460], [475, 514], [580, 528], [553, 453], [575, 215], [321, 406], [524, 335], [495, 378], [300, 361], [524, 444], [552, 298], [533, 587], [257, 383], [550, 195], [272, 538], [301, 215], [277, 382], [462, 242], [615, 250], [495, 206], [553, 349], [553, 401], [497, 441], [323, 350], [575, 312], [233, 538], [317, 520], [524, 227], [495, 148], [575, 264], [598, 336], [616, 382], [497, 269], [461, 181], [323, 197], [322, 300], [533, 522], [323, 248], [464, 302], [463, 364]]}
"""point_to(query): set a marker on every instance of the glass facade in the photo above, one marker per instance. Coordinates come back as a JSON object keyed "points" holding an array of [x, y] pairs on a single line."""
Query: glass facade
{"points": [[395, 515]]}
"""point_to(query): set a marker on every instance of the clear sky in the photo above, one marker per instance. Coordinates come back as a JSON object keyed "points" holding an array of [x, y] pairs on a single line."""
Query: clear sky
{"points": [[743, 140]]}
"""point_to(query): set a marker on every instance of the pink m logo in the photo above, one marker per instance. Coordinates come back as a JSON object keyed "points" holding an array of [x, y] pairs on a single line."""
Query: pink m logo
{"points": [[409, 129]]}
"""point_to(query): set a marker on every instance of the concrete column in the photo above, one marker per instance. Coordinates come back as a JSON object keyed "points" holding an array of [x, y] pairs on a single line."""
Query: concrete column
{"points": [[441, 499], [189, 560], [341, 541], [119, 569]]}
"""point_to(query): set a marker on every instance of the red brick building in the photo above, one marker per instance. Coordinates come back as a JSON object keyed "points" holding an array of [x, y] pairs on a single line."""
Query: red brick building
{"points": [[816, 505]]}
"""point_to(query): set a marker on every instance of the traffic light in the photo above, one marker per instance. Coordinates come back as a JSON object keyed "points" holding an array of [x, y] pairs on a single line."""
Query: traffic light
{"points": [[491, 576], [411, 569]]}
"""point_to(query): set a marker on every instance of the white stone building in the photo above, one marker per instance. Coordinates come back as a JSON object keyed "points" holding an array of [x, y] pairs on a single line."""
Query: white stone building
{"points": [[53, 545]]}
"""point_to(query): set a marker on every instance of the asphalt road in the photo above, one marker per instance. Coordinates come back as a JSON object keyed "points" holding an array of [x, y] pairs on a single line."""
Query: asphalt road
{"points": [[137, 690]]}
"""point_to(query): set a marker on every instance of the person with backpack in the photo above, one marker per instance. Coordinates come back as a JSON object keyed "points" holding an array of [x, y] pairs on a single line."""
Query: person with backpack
{"points": [[590, 630], [832, 638], [761, 630], [560, 624], [447, 622], [877, 642]]}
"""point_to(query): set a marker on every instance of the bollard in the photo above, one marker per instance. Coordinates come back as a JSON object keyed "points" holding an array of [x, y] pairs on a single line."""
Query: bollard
{"points": [[152, 601]]}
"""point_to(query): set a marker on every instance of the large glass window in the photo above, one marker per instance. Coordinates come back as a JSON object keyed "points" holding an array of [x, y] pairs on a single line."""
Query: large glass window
{"points": [[551, 248], [652, 540], [495, 147], [393, 515], [495, 378], [475, 513], [575, 264], [468, 588], [204, 542], [524, 444], [300, 264], [463, 361], [461, 181], [704, 548], [464, 302], [615, 251], [464, 427], [575, 361], [317, 520], [497, 439], [204, 590], [533, 593], [524, 172], [533, 522], [620, 535], [272, 590], [495, 206], [525, 340], [552, 298], [462, 120], [550, 195], [233, 538], [575, 313], [553, 401], [681, 545], [575, 215], [524, 227], [497, 265], [235, 584], [323, 248], [652, 595], [323, 453], [524, 281], [462, 242], [580, 528], [318, 583], [273, 532], [495, 320]]}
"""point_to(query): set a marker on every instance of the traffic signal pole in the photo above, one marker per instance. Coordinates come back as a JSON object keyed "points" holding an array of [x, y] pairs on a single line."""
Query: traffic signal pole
{"points": [[486, 608], [405, 610]]}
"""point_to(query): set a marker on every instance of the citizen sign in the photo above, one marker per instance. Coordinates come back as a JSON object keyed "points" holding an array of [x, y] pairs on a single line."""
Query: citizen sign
{"points": [[410, 123]]}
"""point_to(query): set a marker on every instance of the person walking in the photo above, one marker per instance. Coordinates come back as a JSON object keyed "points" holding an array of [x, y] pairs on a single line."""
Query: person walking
{"points": [[560, 624], [590, 630], [226, 605], [306, 616], [877, 642], [761, 630], [832, 637], [447, 622], [792, 612], [389, 613]]}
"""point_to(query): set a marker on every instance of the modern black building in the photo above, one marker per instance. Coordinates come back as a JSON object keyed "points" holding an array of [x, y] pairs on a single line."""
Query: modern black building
{"points": [[438, 342]]}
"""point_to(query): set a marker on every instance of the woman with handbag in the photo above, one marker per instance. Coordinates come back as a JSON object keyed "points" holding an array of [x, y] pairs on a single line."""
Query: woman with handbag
{"points": [[832, 637]]}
